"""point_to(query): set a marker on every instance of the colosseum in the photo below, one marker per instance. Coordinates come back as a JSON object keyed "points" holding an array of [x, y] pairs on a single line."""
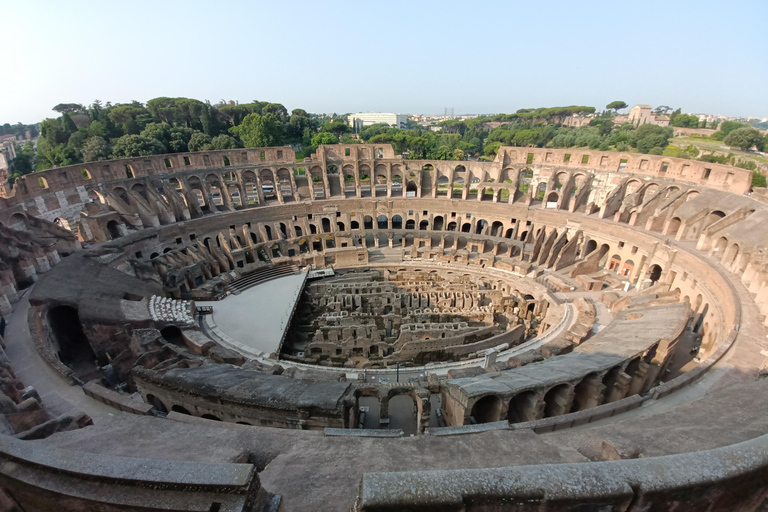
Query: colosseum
{"points": [[237, 331]]}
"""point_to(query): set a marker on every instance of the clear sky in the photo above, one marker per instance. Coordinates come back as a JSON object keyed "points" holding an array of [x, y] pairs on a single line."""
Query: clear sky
{"points": [[407, 57]]}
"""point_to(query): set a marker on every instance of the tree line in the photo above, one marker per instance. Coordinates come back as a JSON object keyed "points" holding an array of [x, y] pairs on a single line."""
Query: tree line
{"points": [[173, 125]]}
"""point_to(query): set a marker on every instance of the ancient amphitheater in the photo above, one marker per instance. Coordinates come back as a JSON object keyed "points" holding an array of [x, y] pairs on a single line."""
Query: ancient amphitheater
{"points": [[238, 331]]}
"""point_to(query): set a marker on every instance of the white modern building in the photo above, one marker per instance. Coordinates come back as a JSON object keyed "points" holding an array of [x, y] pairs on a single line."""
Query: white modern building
{"points": [[357, 121]]}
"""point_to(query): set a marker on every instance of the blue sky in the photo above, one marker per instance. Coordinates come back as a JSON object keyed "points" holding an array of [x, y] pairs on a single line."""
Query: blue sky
{"points": [[408, 57]]}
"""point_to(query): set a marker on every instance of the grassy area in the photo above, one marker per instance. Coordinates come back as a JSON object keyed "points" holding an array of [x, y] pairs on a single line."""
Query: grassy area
{"points": [[707, 145]]}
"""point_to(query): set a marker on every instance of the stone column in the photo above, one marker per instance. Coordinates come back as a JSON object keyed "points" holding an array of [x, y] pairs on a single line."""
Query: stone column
{"points": [[591, 393], [638, 379], [562, 402], [619, 388], [384, 411]]}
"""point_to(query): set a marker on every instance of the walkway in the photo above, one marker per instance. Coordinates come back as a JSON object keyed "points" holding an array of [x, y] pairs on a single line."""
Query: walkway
{"points": [[58, 396]]}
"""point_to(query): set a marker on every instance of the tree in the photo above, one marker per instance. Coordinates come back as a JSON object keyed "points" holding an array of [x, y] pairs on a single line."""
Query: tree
{"points": [[744, 138], [685, 121], [22, 164], [260, 131], [66, 108], [728, 126], [758, 179], [662, 110], [137, 145], [605, 127], [199, 142], [300, 120], [95, 148], [224, 141], [616, 105], [337, 128], [324, 138], [649, 136], [276, 109], [492, 148]]}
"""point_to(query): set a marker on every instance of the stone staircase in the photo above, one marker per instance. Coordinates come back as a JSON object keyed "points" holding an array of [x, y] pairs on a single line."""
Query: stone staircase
{"points": [[262, 275]]}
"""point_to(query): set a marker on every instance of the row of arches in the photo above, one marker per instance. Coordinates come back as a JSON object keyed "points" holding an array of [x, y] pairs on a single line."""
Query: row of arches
{"points": [[595, 388]]}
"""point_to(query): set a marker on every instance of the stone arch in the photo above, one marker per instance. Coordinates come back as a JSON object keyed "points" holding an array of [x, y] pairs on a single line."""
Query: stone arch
{"points": [[558, 400], [437, 223], [523, 407], [382, 222], [181, 410], [633, 186], [172, 334], [552, 197], [70, 342], [114, 229], [397, 222], [122, 194], [497, 228], [140, 189], [268, 187], [285, 183], [712, 217], [18, 222], [614, 263], [487, 409], [673, 226], [156, 403], [730, 255], [409, 410], [410, 224], [655, 273], [588, 392]]}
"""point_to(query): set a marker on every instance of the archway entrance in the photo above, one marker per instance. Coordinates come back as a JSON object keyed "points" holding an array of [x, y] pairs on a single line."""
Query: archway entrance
{"points": [[114, 229], [71, 344], [402, 414], [487, 409], [655, 273], [172, 334]]}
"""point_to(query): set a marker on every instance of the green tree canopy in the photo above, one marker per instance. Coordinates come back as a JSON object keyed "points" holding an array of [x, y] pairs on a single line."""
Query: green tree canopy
{"points": [[224, 141], [199, 142], [96, 148], [686, 121], [137, 145], [728, 126], [324, 138], [260, 131], [616, 105], [744, 138], [650, 136], [66, 108]]}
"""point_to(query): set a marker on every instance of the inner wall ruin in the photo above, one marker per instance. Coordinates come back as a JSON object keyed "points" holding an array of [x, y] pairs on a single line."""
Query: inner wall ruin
{"points": [[377, 316], [549, 301]]}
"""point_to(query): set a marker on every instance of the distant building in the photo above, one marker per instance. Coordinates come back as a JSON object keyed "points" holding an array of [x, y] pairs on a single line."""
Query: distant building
{"points": [[358, 121], [642, 114]]}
